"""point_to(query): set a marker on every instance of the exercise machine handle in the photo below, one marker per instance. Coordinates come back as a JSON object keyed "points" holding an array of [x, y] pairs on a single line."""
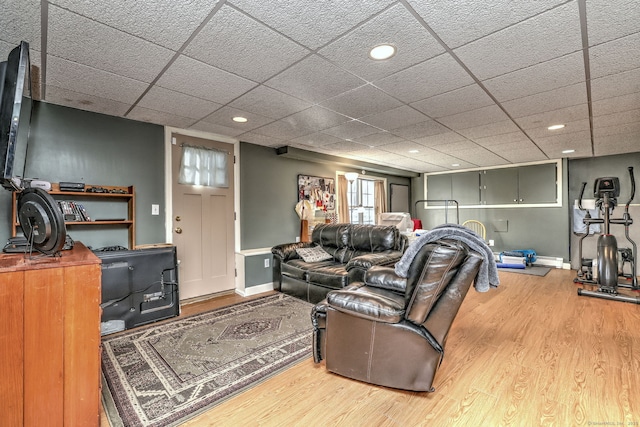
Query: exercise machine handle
{"points": [[633, 188], [584, 185]]}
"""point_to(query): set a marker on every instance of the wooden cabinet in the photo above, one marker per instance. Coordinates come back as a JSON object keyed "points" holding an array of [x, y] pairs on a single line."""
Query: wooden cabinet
{"points": [[102, 210], [50, 339], [534, 184]]}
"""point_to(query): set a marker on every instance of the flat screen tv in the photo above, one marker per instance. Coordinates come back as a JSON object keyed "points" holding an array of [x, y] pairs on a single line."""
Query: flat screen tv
{"points": [[15, 114]]}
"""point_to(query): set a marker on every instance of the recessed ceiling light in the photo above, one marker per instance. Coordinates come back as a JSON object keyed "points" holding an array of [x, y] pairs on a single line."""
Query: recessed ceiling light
{"points": [[240, 119], [455, 164], [555, 127], [414, 151], [568, 151], [382, 51]]}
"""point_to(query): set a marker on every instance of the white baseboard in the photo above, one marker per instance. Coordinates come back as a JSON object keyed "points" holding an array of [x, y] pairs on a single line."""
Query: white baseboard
{"points": [[549, 261], [254, 290]]}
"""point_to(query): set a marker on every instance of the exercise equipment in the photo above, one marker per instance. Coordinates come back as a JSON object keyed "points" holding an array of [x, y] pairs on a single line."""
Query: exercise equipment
{"points": [[607, 270]]}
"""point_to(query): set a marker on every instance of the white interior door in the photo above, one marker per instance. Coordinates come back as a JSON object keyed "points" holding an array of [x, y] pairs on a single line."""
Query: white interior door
{"points": [[203, 227]]}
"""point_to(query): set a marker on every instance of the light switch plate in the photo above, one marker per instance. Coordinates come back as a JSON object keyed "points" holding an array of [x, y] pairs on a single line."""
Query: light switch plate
{"points": [[155, 209]]}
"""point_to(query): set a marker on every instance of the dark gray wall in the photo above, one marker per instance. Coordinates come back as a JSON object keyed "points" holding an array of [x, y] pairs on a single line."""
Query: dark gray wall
{"points": [[66, 144], [545, 230], [269, 195]]}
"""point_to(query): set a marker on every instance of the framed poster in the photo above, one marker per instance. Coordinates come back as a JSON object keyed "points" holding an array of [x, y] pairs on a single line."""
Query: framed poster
{"points": [[319, 191]]}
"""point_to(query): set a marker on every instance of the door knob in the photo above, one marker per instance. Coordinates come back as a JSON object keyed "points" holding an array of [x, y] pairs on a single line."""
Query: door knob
{"points": [[178, 230]]}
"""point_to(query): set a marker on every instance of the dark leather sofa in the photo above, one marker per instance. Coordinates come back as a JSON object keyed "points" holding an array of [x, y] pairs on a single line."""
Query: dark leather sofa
{"points": [[354, 248], [390, 330]]}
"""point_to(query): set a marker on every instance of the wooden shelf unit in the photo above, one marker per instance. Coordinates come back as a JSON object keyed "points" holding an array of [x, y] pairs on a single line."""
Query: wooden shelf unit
{"points": [[126, 194]]}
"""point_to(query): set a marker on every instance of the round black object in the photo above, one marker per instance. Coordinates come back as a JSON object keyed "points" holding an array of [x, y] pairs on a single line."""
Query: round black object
{"points": [[41, 220]]}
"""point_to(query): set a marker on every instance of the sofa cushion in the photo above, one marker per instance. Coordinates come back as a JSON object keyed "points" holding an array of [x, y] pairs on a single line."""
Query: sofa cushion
{"points": [[365, 238], [331, 235], [298, 268], [314, 254], [330, 276]]}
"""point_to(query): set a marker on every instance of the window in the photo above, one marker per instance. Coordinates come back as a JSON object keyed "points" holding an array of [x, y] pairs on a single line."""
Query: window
{"points": [[204, 166], [361, 198]]}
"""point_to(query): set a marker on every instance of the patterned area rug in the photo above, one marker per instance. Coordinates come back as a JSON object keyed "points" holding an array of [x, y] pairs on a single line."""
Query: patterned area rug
{"points": [[163, 375]]}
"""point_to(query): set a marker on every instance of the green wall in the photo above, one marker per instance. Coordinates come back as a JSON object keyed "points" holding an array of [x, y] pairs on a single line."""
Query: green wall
{"points": [[66, 144], [268, 194]]}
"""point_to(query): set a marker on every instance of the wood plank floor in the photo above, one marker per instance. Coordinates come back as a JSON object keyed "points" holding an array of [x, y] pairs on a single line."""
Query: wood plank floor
{"points": [[530, 353]]}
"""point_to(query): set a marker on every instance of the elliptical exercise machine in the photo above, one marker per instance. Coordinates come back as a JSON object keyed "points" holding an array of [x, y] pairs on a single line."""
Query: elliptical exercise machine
{"points": [[608, 265]]}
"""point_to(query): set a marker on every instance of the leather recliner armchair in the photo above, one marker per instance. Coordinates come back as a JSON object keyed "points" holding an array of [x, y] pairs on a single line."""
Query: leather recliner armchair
{"points": [[391, 330]]}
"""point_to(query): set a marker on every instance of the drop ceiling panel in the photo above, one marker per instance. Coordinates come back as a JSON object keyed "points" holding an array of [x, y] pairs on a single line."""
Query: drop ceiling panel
{"points": [[258, 139], [83, 79], [616, 104], [196, 78], [124, 54], [376, 139], [215, 129], [615, 56], [351, 130], [543, 37], [310, 22], [396, 26], [20, 22], [269, 102], [453, 102], [611, 19], [625, 117], [164, 22], [314, 79], [522, 156], [435, 76], [567, 96], [542, 77], [475, 19], [286, 128], [615, 85], [316, 140], [440, 139], [403, 148], [401, 116], [425, 128], [361, 102], [317, 118], [345, 147], [243, 46], [554, 117], [177, 103], [224, 117], [482, 131], [153, 116], [513, 139], [627, 128], [582, 125], [83, 101], [474, 118]]}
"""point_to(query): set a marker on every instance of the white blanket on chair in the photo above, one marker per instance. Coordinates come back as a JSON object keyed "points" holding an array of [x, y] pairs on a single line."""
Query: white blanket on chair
{"points": [[488, 274]]}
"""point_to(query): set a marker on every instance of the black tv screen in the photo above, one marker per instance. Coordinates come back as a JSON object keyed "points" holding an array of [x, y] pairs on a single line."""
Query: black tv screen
{"points": [[15, 113]]}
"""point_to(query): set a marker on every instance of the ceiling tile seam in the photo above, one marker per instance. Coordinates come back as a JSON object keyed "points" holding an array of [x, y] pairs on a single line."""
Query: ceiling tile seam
{"points": [[582, 11], [615, 39], [177, 54], [44, 38], [471, 74]]}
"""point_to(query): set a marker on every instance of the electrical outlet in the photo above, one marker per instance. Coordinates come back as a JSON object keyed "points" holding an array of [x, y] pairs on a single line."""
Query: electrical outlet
{"points": [[155, 209], [492, 242], [297, 239], [266, 263]]}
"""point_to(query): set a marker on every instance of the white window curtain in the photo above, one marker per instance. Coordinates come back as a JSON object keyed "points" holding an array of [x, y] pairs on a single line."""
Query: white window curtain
{"points": [[204, 166]]}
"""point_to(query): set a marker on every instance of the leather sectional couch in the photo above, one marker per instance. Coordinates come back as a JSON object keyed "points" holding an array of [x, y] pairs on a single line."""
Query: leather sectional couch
{"points": [[350, 250]]}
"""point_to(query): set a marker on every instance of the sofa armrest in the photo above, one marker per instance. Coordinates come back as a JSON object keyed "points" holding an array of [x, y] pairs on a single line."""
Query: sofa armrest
{"points": [[385, 278], [287, 251], [367, 261]]}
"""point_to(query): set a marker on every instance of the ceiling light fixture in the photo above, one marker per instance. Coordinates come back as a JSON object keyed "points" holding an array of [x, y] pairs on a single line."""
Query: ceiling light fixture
{"points": [[382, 52], [568, 151], [555, 127], [455, 165], [414, 151], [240, 119]]}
